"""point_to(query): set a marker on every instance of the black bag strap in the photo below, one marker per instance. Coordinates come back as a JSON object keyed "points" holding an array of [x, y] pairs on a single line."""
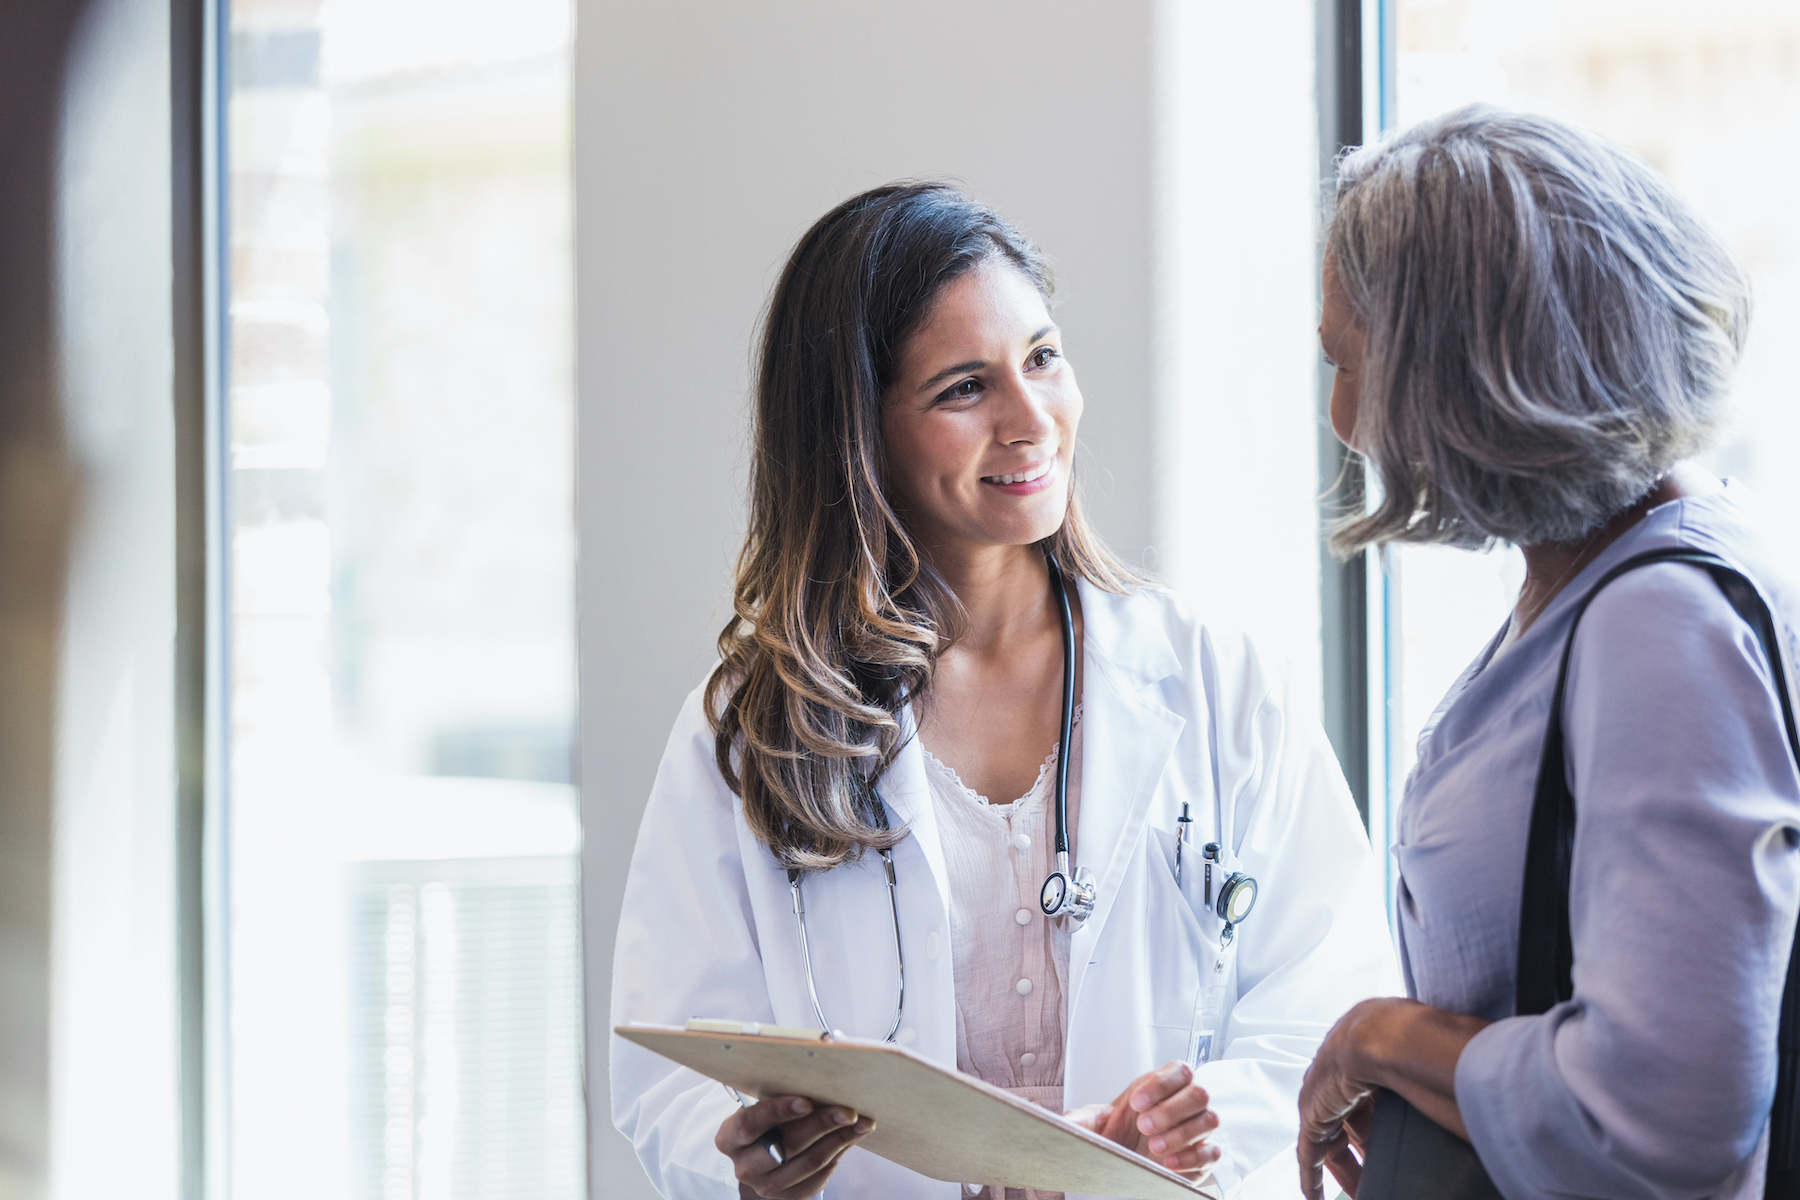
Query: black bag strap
{"points": [[1546, 949]]}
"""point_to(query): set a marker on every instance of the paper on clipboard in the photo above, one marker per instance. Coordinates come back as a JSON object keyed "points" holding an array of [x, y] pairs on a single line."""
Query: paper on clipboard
{"points": [[929, 1119]]}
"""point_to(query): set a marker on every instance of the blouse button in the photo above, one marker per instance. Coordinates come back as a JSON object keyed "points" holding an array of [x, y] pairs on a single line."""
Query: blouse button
{"points": [[1025, 1060], [1023, 987], [1023, 916], [1022, 841]]}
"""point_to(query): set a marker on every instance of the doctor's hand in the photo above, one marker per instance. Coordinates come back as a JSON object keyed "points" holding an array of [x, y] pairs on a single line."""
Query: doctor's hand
{"points": [[1162, 1116], [813, 1142]]}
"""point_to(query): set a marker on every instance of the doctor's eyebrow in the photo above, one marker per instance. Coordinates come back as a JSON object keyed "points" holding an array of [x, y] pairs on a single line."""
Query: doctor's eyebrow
{"points": [[969, 368]]}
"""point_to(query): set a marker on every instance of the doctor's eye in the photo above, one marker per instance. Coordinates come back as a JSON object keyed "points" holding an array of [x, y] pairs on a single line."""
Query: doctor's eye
{"points": [[1329, 361], [1043, 356], [968, 389]]}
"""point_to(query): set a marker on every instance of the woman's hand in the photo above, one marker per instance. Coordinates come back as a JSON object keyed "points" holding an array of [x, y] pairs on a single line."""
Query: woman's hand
{"points": [[1336, 1110], [1162, 1116], [813, 1143], [1402, 1045]]}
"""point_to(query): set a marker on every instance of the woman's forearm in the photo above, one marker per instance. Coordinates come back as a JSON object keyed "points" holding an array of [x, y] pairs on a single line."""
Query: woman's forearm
{"points": [[1412, 1049]]}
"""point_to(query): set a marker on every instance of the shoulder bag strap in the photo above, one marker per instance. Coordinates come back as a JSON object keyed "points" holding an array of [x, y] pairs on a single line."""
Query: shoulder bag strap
{"points": [[1546, 949]]}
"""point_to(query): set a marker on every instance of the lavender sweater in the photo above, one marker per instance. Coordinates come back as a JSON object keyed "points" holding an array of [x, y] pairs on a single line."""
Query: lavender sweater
{"points": [[1655, 1080]]}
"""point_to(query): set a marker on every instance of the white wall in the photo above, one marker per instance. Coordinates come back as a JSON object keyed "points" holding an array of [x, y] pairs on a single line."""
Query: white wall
{"points": [[710, 134]]}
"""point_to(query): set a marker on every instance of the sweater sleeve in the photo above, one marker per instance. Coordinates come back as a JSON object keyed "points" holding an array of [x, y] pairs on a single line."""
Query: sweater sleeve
{"points": [[1654, 1080]]}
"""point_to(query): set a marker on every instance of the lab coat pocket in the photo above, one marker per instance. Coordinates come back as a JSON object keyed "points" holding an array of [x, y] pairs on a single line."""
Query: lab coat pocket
{"points": [[1187, 952], [1188, 891]]}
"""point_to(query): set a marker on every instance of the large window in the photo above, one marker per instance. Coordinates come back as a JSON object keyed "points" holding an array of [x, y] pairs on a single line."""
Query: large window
{"points": [[403, 995], [1710, 95]]}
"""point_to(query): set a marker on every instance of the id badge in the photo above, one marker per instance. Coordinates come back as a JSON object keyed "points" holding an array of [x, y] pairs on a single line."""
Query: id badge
{"points": [[1209, 1017]]}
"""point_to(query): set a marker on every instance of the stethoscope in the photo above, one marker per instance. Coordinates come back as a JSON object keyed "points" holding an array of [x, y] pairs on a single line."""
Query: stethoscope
{"points": [[1065, 893], [812, 988]]}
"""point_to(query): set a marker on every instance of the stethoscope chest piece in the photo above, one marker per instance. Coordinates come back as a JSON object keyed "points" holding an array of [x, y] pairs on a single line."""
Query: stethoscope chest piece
{"points": [[1066, 897]]}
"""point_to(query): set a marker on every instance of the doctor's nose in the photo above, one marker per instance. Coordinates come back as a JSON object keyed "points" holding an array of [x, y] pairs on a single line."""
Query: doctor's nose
{"points": [[1025, 417]]}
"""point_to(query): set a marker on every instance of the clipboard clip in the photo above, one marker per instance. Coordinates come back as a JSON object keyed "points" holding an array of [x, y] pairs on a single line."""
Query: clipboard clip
{"points": [[753, 1029]]}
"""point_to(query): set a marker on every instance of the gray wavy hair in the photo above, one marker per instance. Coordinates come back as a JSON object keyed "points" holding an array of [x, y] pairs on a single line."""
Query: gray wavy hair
{"points": [[1550, 328]]}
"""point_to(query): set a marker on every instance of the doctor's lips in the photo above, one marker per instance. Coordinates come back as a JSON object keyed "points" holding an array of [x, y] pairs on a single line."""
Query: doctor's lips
{"points": [[1023, 482]]}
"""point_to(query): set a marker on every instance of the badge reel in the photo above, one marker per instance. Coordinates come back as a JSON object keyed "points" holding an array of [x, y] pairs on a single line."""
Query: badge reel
{"points": [[1235, 898]]}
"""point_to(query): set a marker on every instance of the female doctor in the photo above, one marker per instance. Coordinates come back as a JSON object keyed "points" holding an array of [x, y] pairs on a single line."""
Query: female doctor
{"points": [[892, 705]]}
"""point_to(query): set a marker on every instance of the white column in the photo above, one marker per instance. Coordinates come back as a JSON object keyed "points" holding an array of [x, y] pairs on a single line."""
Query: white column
{"points": [[114, 1065], [1237, 512]]}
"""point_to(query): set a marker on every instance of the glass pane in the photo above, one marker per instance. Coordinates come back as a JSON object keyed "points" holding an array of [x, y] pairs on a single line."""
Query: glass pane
{"points": [[1710, 95], [403, 964]]}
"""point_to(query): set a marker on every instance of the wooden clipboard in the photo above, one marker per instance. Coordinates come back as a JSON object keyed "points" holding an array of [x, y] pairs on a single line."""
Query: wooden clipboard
{"points": [[938, 1122]]}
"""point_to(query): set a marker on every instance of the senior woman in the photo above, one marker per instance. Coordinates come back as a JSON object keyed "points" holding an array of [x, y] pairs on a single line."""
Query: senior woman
{"points": [[1533, 336]]}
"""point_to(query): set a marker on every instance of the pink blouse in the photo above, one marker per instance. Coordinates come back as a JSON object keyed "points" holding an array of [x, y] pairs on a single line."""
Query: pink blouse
{"points": [[1011, 962]]}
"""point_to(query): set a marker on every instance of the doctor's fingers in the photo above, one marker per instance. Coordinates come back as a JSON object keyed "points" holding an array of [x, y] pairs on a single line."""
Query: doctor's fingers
{"points": [[1178, 1108], [1194, 1162], [806, 1171], [743, 1127], [1169, 1093], [1184, 1136], [799, 1123], [1091, 1116], [799, 1137]]}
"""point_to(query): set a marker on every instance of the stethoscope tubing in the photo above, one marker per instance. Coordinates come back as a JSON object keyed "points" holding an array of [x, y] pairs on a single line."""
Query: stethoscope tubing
{"points": [[1061, 590], [812, 987]]}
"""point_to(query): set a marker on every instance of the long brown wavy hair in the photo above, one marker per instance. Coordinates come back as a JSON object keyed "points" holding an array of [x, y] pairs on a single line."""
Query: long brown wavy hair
{"points": [[838, 619]]}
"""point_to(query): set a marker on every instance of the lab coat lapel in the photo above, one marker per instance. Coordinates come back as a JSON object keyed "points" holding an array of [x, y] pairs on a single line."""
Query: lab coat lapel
{"points": [[1127, 738], [907, 794]]}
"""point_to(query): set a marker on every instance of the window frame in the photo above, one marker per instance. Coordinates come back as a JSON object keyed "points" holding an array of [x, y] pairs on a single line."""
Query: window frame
{"points": [[197, 81], [1359, 603]]}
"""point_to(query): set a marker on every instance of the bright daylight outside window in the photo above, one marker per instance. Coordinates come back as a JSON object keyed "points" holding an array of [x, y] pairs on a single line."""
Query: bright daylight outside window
{"points": [[403, 1007], [1710, 95]]}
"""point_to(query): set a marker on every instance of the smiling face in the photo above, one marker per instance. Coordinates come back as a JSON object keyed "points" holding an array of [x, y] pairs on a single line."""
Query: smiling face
{"points": [[1344, 343], [979, 424]]}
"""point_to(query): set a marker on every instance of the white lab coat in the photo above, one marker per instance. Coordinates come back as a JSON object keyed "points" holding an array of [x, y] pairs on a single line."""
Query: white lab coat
{"points": [[1172, 711]]}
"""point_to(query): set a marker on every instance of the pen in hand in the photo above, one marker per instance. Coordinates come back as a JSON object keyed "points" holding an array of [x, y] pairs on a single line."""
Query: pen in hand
{"points": [[770, 1141]]}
